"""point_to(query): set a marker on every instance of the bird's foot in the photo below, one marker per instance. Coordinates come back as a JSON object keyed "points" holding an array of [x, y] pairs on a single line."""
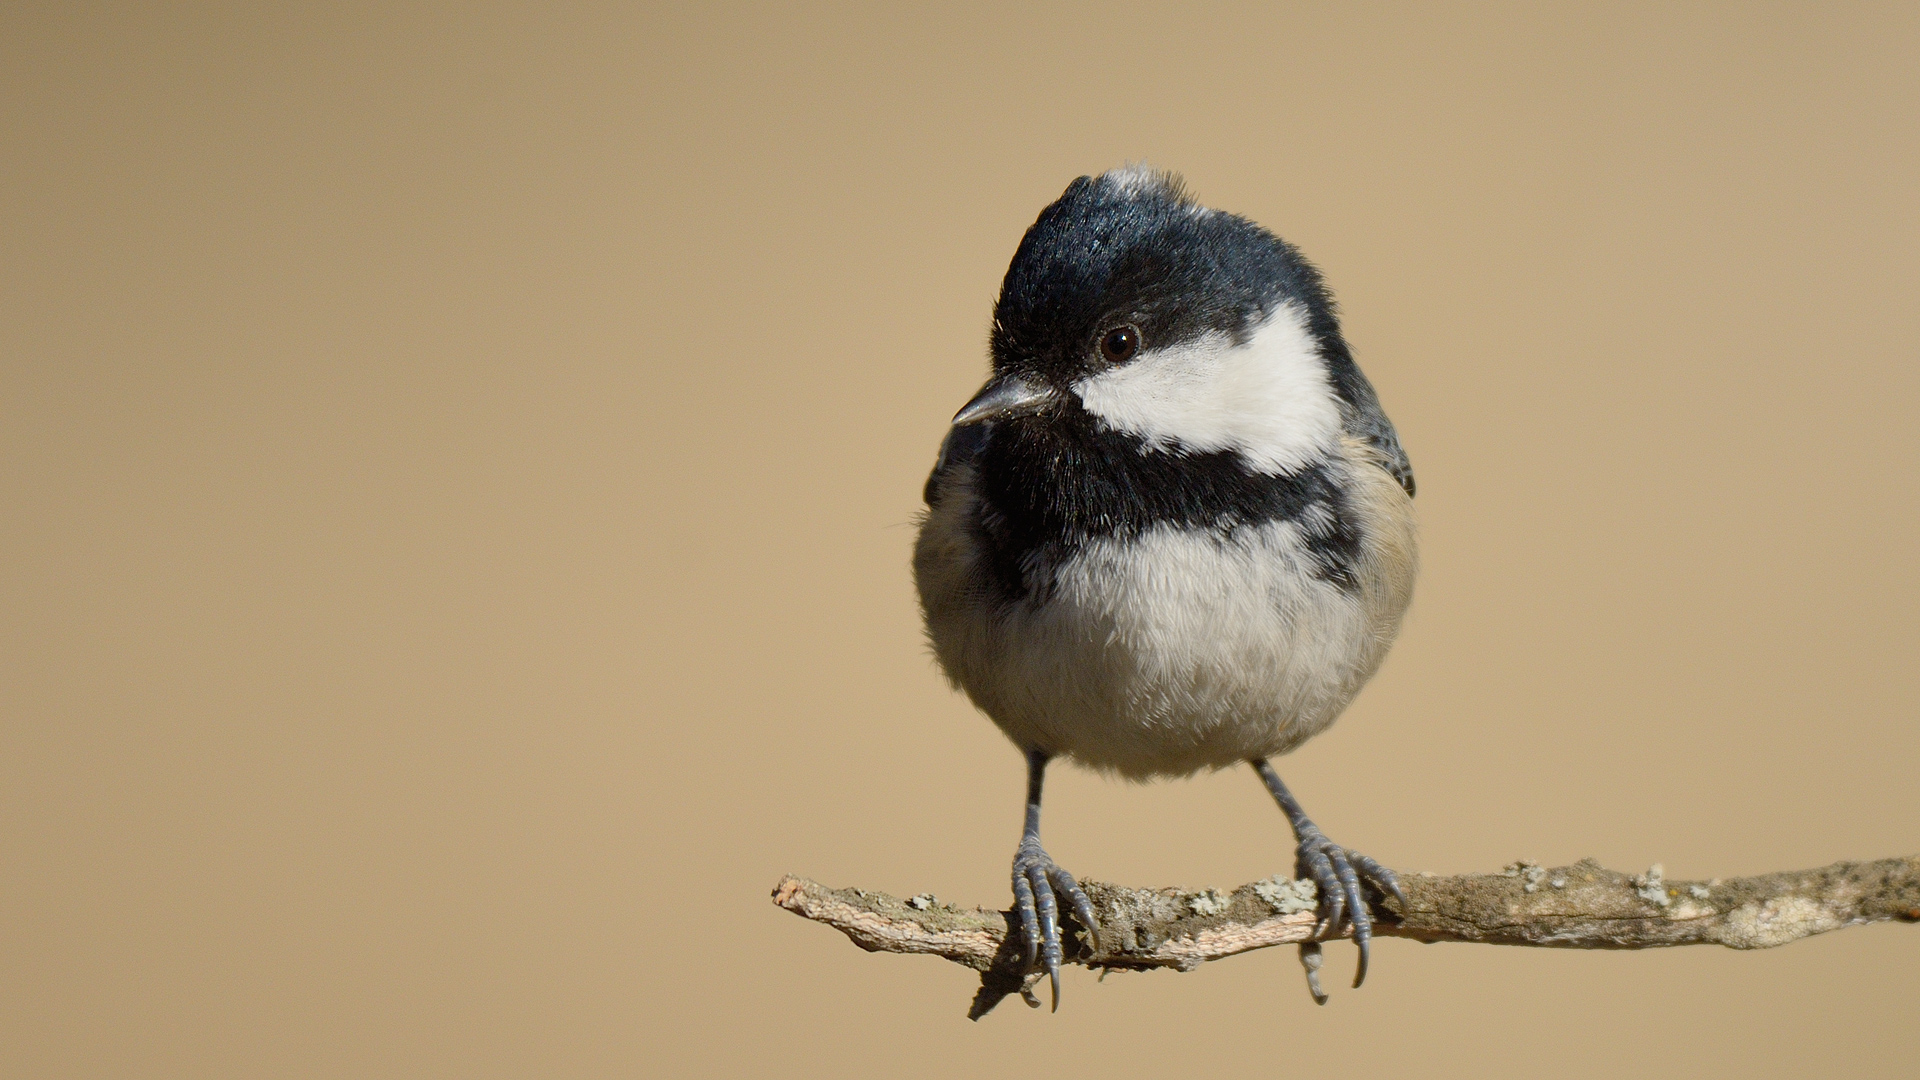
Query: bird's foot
{"points": [[1038, 882], [1338, 873]]}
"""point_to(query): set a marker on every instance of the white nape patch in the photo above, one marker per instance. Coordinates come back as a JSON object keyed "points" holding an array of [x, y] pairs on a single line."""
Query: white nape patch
{"points": [[1138, 178], [1269, 399]]}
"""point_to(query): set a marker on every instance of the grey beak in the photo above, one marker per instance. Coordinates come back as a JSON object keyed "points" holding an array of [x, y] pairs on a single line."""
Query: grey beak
{"points": [[1003, 397]]}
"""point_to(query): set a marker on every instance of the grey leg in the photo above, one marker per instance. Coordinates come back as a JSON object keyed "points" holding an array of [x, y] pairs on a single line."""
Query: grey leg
{"points": [[1035, 880], [1337, 872]]}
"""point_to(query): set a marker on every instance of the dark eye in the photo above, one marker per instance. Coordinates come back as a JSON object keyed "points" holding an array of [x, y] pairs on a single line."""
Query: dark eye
{"points": [[1120, 343]]}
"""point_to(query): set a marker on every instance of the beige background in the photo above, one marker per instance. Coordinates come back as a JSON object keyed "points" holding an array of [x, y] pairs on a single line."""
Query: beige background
{"points": [[460, 465]]}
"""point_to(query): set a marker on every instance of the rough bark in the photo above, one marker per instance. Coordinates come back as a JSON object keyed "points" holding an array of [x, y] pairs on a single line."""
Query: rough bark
{"points": [[1583, 906]]}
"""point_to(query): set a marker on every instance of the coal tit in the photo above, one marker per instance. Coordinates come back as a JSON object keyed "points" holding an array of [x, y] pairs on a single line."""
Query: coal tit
{"points": [[1174, 531]]}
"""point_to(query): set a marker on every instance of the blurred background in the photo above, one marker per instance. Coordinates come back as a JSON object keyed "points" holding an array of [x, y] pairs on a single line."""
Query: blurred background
{"points": [[460, 464]]}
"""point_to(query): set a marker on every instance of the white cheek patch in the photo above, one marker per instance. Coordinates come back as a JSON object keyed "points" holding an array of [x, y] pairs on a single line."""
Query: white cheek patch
{"points": [[1269, 399]]}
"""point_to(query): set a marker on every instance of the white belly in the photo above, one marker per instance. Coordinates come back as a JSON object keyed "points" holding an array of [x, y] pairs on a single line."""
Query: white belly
{"points": [[1168, 653]]}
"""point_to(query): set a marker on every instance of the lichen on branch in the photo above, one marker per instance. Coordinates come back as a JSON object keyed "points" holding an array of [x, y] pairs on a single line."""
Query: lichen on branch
{"points": [[1583, 906]]}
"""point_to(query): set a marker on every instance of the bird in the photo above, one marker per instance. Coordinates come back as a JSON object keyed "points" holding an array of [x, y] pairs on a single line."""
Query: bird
{"points": [[1174, 530]]}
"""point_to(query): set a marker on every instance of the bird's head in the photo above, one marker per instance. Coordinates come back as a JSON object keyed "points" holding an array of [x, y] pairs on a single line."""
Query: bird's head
{"points": [[1132, 308]]}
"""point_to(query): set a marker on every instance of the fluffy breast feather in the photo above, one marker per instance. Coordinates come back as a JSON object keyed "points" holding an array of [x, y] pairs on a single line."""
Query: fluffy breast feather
{"points": [[1176, 648]]}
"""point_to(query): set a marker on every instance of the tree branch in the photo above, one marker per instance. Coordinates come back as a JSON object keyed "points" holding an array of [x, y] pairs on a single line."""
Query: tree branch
{"points": [[1583, 906]]}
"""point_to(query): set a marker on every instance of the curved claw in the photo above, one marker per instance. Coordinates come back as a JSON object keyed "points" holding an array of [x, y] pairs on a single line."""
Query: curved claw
{"points": [[1082, 907], [1357, 914], [1036, 879], [1338, 874], [1386, 879], [1049, 927], [1310, 959], [1314, 863], [1029, 920]]}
